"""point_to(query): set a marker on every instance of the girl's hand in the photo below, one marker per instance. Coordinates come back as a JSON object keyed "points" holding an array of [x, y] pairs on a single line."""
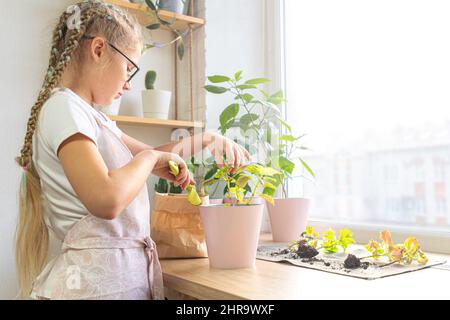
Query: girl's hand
{"points": [[162, 169], [236, 155]]}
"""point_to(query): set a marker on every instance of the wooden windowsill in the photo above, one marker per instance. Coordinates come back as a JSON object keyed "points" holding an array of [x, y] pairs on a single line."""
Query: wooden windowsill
{"points": [[279, 281]]}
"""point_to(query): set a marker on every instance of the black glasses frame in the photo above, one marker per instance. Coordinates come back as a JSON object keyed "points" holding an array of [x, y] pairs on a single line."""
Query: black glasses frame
{"points": [[122, 54]]}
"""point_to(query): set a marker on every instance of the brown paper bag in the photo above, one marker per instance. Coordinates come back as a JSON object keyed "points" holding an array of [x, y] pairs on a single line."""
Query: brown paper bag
{"points": [[176, 227]]}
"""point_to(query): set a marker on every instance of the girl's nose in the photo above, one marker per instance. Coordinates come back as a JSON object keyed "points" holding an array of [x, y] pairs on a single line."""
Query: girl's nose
{"points": [[127, 86]]}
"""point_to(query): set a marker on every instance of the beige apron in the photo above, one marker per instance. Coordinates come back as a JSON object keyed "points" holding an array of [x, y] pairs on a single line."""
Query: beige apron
{"points": [[106, 259]]}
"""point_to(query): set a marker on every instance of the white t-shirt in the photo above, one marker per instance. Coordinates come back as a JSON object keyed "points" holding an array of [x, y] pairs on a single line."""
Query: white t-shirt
{"points": [[62, 115]]}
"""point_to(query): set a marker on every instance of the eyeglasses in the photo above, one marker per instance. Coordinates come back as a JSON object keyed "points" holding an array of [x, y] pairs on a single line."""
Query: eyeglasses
{"points": [[130, 73]]}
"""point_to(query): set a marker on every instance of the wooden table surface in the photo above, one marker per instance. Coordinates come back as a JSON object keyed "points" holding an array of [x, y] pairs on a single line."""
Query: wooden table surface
{"points": [[279, 281]]}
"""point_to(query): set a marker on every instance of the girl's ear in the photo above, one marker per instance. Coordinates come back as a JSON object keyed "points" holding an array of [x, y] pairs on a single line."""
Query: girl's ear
{"points": [[97, 48]]}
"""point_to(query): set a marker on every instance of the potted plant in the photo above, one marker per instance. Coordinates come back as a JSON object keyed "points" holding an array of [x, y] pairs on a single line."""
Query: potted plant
{"points": [[156, 103], [155, 6], [162, 186], [232, 230], [257, 116]]}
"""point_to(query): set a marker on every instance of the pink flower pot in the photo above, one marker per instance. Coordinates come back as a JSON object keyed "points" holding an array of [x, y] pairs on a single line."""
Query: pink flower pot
{"points": [[232, 234], [288, 218]]}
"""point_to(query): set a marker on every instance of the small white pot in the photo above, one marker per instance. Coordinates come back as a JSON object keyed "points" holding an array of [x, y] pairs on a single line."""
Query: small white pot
{"points": [[113, 108], [156, 103]]}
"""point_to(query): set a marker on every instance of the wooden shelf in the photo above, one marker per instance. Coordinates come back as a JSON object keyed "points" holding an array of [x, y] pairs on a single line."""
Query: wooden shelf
{"points": [[141, 11], [136, 121]]}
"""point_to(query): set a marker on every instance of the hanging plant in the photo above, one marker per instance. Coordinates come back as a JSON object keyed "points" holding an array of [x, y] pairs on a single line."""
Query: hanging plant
{"points": [[154, 7]]}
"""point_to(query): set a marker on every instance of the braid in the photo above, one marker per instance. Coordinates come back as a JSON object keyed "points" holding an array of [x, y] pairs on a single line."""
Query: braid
{"points": [[52, 78], [65, 41]]}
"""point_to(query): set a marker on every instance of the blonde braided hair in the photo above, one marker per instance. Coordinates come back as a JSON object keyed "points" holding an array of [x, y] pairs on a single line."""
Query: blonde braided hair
{"points": [[96, 17]]}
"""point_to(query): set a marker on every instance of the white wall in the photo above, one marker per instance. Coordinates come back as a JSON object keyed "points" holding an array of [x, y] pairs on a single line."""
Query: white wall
{"points": [[234, 42]]}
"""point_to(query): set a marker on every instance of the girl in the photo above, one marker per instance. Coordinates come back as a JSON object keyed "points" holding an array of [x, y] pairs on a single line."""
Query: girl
{"points": [[83, 177]]}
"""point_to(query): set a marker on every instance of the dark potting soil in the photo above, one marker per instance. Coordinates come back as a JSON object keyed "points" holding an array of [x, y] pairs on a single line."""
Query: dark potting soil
{"points": [[307, 254], [352, 262], [305, 251]]}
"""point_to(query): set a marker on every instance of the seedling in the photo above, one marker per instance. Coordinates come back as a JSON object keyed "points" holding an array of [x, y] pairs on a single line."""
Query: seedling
{"points": [[404, 253], [308, 242]]}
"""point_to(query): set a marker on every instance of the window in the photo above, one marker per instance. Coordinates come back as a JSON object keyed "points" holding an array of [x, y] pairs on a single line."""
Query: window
{"points": [[369, 83]]}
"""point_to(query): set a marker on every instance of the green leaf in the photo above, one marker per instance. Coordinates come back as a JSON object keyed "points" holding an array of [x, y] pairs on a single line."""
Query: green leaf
{"points": [[269, 191], [247, 189], [268, 134], [265, 94], [277, 98], [246, 86], [210, 173], [216, 90], [218, 79], [257, 81], [238, 75], [180, 49], [286, 165], [229, 114], [345, 238], [247, 97], [242, 181], [153, 26], [305, 165], [150, 4], [330, 242], [288, 137], [267, 171], [268, 185], [284, 123]]}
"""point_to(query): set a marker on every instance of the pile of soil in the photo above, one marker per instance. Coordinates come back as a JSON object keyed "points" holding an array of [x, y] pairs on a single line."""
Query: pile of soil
{"points": [[308, 254]]}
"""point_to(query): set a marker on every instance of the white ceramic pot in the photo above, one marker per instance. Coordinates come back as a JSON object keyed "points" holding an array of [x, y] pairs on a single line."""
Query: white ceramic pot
{"points": [[232, 234], [113, 108], [288, 218], [156, 103]]}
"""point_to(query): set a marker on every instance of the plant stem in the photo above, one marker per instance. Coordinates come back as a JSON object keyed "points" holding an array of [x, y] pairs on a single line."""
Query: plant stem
{"points": [[390, 263], [254, 191], [284, 190]]}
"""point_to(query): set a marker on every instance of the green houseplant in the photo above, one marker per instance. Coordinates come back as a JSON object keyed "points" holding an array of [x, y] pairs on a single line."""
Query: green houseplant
{"points": [[155, 6], [155, 102], [255, 114]]}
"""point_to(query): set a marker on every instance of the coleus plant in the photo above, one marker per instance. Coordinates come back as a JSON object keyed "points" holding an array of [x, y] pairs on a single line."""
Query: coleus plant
{"points": [[404, 253], [250, 178], [307, 246]]}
